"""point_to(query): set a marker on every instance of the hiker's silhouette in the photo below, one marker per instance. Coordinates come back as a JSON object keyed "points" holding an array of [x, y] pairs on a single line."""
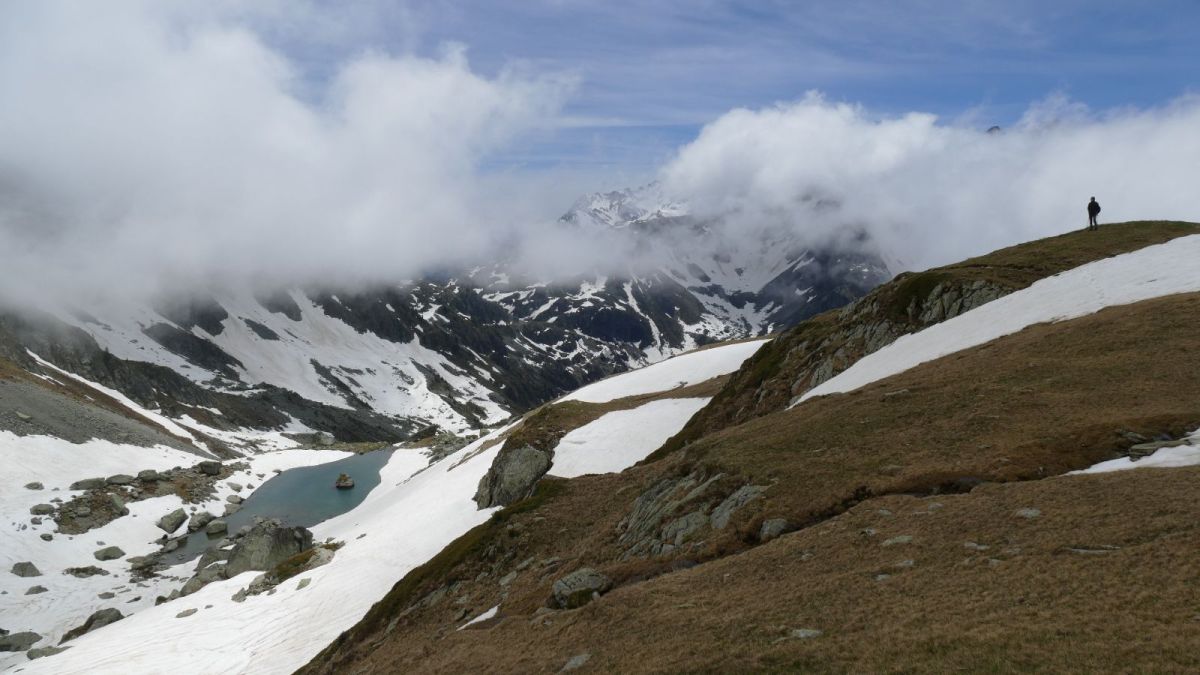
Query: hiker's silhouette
{"points": [[1093, 211]]}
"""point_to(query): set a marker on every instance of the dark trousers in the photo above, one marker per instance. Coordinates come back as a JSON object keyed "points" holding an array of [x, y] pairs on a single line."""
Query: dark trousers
{"points": [[1092, 224]]}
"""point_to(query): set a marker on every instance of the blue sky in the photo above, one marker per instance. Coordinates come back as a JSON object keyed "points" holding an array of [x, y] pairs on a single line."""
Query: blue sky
{"points": [[650, 74]]}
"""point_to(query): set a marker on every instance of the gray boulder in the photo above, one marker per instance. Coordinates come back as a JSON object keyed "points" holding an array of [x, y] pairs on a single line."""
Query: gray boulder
{"points": [[118, 504], [266, 545], [85, 572], [579, 587], [512, 476], [323, 438], [34, 590], [39, 652], [18, 642], [119, 479], [171, 522], [26, 569], [215, 527], [35, 485], [109, 553], [209, 467], [42, 509], [199, 520], [771, 528], [234, 499], [88, 484], [149, 475], [97, 620]]}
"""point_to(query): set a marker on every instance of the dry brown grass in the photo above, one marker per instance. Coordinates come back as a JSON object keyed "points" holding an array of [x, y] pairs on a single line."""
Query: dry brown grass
{"points": [[1034, 404]]}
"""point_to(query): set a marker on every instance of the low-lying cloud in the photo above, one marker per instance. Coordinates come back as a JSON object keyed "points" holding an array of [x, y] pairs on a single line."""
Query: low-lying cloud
{"points": [[930, 193], [150, 147]]}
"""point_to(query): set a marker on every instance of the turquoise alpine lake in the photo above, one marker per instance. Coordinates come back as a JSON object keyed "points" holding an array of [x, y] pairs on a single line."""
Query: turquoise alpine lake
{"points": [[301, 497]]}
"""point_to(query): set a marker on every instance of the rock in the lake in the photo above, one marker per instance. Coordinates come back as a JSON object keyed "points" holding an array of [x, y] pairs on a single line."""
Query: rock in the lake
{"points": [[98, 619], [343, 482], [18, 642], [26, 569], [579, 587], [42, 509], [266, 545], [209, 467], [109, 553], [199, 520], [34, 486], [171, 522], [234, 499], [215, 527]]}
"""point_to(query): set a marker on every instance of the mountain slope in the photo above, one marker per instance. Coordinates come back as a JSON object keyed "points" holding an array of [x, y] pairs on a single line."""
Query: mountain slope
{"points": [[894, 501]]}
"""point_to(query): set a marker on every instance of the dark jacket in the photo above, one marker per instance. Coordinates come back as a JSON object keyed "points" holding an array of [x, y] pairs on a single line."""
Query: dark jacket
{"points": [[1093, 208]]}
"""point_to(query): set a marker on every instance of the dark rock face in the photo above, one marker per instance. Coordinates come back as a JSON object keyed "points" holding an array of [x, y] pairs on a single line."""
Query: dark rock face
{"points": [[18, 642], [26, 569], [579, 588], [512, 476], [97, 620]]}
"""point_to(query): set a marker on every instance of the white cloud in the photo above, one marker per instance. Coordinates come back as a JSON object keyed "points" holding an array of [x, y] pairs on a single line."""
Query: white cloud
{"points": [[931, 193], [145, 144]]}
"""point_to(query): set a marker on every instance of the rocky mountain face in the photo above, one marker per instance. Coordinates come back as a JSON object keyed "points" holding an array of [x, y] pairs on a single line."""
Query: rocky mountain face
{"points": [[452, 353]]}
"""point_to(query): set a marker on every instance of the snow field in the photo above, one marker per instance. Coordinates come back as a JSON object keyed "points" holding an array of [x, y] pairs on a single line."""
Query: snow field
{"points": [[1151, 272], [620, 439], [680, 371]]}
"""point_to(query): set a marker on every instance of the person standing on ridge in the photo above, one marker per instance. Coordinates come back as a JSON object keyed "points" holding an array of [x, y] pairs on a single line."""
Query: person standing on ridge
{"points": [[1093, 211]]}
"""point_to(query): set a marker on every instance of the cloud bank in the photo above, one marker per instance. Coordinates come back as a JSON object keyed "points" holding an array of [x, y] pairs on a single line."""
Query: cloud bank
{"points": [[930, 193]]}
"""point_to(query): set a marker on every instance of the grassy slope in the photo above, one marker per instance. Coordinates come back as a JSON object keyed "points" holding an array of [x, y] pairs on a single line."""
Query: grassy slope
{"points": [[778, 372], [1027, 406]]}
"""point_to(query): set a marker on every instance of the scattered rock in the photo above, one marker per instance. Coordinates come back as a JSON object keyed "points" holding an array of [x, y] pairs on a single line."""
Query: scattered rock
{"points": [[1027, 513], [739, 498], [41, 509], [209, 467], [118, 504], [579, 587], [34, 590], [46, 536], [109, 553], [39, 652], [303, 583], [975, 547], [26, 569], [24, 417], [199, 520], [149, 476], [34, 486], [512, 476], [185, 613], [805, 633], [508, 578], [107, 595], [18, 642], [234, 499], [119, 479], [576, 661], [323, 438], [83, 511], [236, 487], [902, 539], [85, 572], [231, 509], [771, 528], [88, 484], [98, 619], [36, 520], [216, 527], [171, 522]]}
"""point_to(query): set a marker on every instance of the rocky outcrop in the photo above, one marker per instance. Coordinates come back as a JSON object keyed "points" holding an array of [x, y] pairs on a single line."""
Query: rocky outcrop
{"points": [[260, 547], [199, 520], [97, 620], [580, 587], [512, 476]]}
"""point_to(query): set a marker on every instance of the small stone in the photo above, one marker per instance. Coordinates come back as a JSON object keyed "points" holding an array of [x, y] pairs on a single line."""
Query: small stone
{"points": [[231, 509], [216, 527], [39, 652], [508, 578], [36, 520], [1027, 513], [83, 511], [88, 484], [119, 479], [303, 583], [85, 572], [107, 595], [236, 487], [902, 539], [185, 613], [975, 547], [23, 416], [171, 522], [234, 499], [149, 476], [772, 528], [98, 619], [805, 633], [905, 564], [34, 590], [209, 467], [34, 486], [109, 553], [579, 587], [199, 520], [41, 510], [26, 569], [576, 661], [46, 536]]}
